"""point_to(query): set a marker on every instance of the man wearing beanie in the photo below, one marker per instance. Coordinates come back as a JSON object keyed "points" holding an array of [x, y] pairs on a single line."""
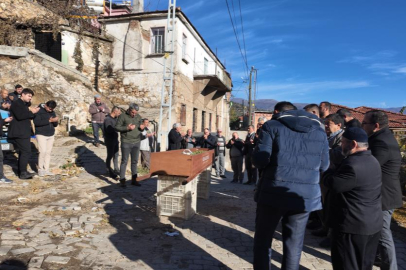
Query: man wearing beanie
{"points": [[356, 188]]}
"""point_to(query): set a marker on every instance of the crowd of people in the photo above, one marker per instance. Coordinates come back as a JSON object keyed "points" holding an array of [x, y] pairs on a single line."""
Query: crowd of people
{"points": [[343, 172], [25, 121]]}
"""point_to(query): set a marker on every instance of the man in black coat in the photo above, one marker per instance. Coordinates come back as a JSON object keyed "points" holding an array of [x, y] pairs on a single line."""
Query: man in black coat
{"points": [[357, 206], [349, 120], [385, 149], [175, 138], [249, 145], [111, 141], [208, 141], [16, 94], [20, 130]]}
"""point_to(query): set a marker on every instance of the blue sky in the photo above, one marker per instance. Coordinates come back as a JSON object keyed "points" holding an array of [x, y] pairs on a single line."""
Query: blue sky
{"points": [[348, 52]]}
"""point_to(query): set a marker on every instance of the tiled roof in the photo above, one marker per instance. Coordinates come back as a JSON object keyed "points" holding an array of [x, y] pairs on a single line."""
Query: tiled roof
{"points": [[396, 120]]}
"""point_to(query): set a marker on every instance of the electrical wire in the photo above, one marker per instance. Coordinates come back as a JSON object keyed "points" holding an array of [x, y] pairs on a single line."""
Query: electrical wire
{"points": [[242, 30], [236, 37]]}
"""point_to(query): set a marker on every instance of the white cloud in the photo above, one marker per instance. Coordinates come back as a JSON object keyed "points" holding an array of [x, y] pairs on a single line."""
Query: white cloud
{"points": [[379, 56], [400, 70], [321, 86]]}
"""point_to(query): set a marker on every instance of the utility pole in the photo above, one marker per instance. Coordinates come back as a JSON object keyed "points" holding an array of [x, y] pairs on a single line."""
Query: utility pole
{"points": [[250, 99]]}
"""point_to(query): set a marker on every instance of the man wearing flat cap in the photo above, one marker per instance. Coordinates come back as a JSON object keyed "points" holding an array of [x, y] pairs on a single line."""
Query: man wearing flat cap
{"points": [[98, 110], [356, 189], [130, 126]]}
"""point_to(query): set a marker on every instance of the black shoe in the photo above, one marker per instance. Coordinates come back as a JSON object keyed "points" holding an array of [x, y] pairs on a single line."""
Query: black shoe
{"points": [[223, 176], [313, 225], [325, 243], [122, 183], [234, 181], [320, 232], [134, 181], [26, 175], [113, 175], [247, 183], [117, 172]]}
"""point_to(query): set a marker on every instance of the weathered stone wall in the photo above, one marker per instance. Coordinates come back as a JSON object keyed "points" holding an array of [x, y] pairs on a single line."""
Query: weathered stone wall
{"points": [[50, 79]]}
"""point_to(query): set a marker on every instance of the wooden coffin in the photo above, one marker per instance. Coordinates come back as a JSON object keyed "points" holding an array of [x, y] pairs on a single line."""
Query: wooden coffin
{"points": [[177, 164]]}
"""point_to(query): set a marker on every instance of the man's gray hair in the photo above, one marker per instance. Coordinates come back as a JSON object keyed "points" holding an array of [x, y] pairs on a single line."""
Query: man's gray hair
{"points": [[176, 125], [262, 119], [363, 144]]}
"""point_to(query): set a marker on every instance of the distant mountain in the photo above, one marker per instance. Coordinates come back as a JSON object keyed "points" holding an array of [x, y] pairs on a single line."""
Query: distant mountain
{"points": [[395, 109], [269, 104], [265, 104]]}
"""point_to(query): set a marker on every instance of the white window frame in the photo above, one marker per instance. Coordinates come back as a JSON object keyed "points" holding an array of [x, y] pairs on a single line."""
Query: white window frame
{"points": [[206, 66], [157, 33], [184, 46]]}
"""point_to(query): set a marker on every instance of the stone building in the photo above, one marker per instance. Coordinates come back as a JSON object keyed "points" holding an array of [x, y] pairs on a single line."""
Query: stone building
{"points": [[201, 86]]}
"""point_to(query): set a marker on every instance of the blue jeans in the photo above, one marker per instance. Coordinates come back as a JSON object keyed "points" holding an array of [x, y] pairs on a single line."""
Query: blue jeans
{"points": [[386, 246], [293, 231], [96, 127]]}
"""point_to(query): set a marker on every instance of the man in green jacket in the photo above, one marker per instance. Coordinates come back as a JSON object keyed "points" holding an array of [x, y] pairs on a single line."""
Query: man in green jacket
{"points": [[130, 126]]}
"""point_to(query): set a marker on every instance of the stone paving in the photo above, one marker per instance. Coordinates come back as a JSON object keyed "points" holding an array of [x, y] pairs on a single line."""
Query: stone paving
{"points": [[87, 221]]}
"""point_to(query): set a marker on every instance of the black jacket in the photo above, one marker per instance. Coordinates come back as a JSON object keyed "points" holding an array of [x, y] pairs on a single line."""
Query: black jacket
{"points": [[20, 127], [249, 147], [14, 96], [356, 187], [353, 123], [210, 142], [175, 140], [236, 149], [385, 149], [109, 128], [42, 124]]}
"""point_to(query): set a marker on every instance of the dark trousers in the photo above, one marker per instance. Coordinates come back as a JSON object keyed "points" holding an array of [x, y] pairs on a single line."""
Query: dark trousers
{"points": [[1, 164], [128, 149], [236, 165], [24, 153], [293, 231], [96, 127], [251, 170], [112, 153], [353, 251]]}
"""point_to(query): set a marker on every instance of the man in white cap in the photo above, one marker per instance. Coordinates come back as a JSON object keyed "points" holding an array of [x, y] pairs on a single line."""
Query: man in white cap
{"points": [[98, 110]]}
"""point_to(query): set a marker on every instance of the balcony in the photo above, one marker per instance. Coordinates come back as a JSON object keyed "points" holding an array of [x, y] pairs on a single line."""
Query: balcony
{"points": [[215, 76]]}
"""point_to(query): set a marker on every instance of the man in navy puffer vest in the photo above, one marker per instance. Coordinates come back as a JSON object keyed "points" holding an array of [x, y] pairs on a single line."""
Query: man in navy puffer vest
{"points": [[292, 151]]}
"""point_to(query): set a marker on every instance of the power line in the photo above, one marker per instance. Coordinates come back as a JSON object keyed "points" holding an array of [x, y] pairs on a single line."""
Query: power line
{"points": [[242, 30], [236, 37]]}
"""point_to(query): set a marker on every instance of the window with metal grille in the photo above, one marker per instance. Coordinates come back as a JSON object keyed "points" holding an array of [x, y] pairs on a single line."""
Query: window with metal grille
{"points": [[158, 40], [183, 115], [206, 66]]}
